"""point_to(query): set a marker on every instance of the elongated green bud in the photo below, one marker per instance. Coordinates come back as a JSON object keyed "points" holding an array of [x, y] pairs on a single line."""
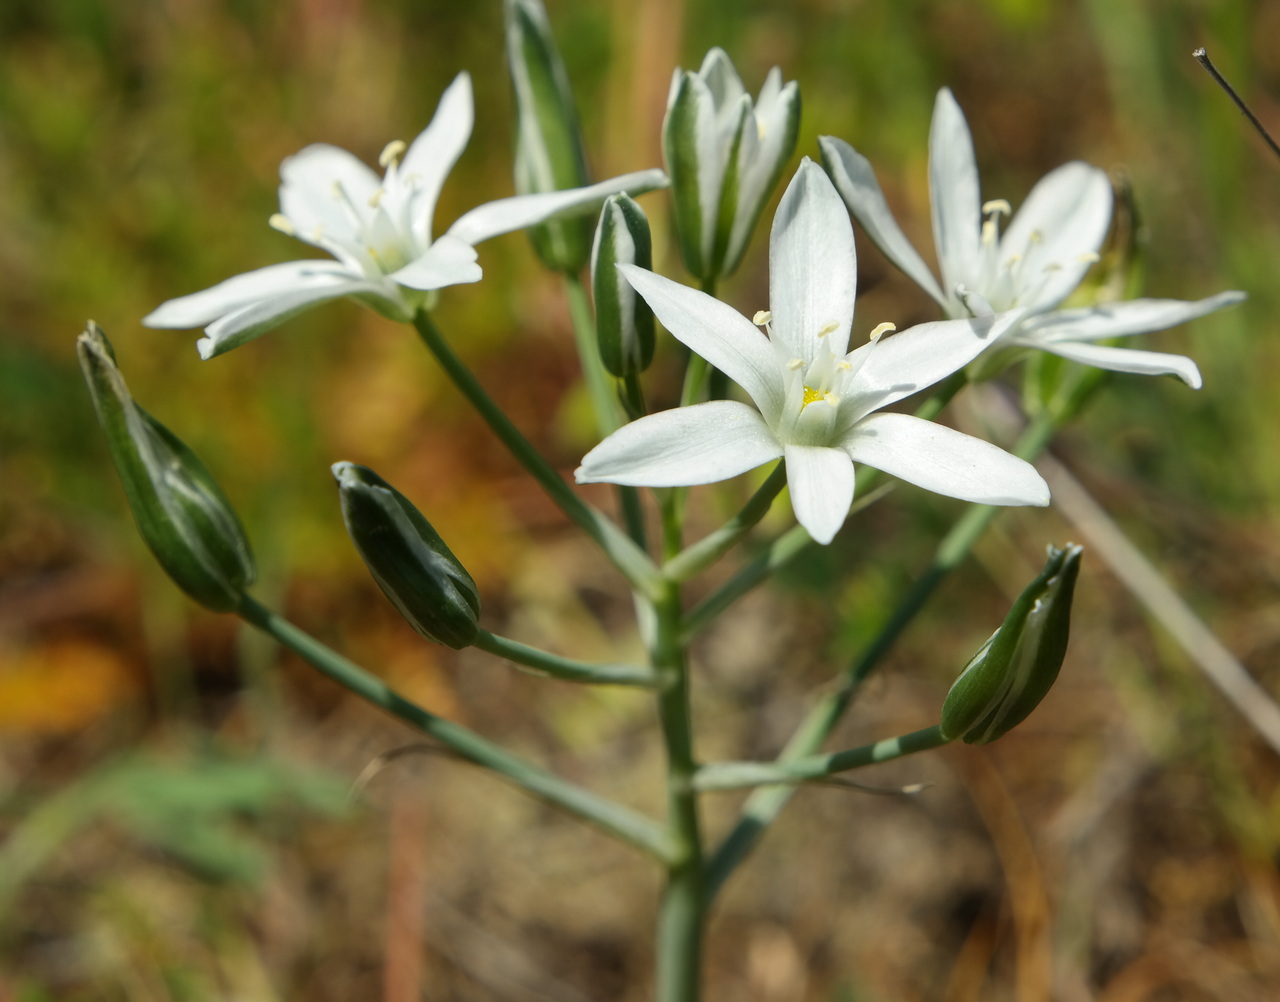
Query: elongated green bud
{"points": [[180, 511], [1015, 669], [724, 154], [549, 149], [624, 322], [406, 556]]}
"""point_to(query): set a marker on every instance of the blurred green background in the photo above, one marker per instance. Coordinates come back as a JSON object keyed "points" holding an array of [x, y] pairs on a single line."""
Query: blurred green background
{"points": [[174, 801]]}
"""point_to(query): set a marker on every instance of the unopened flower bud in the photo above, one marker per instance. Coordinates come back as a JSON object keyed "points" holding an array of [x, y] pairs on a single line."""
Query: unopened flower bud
{"points": [[549, 149], [406, 556], [180, 511], [624, 321], [724, 155], [1014, 670]]}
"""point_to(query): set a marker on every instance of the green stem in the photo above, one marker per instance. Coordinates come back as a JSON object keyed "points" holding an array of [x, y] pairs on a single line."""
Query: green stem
{"points": [[554, 666], [601, 390], [682, 910], [623, 551], [604, 400], [614, 819], [764, 805], [734, 775], [706, 551]]}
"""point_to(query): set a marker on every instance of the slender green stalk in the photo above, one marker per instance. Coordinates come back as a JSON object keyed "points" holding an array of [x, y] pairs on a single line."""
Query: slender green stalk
{"points": [[603, 394], [554, 666], [702, 554], [623, 551], [682, 912], [734, 775], [620, 822], [604, 398], [764, 805]]}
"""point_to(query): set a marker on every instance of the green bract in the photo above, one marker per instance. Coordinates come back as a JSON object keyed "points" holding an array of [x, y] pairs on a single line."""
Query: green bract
{"points": [[181, 513], [549, 150], [725, 154], [624, 322], [406, 556], [1014, 670]]}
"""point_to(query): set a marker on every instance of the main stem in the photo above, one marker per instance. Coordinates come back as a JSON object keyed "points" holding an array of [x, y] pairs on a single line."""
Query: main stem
{"points": [[683, 908]]}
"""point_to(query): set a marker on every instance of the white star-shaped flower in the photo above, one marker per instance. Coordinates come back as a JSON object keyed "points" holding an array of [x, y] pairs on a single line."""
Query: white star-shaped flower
{"points": [[379, 230], [1034, 265], [815, 401]]}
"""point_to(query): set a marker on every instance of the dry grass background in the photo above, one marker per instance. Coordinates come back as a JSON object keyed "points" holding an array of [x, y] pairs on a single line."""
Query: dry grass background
{"points": [[174, 809]]}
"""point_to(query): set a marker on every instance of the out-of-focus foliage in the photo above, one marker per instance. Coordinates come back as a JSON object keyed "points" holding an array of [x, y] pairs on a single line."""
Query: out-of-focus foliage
{"points": [[1119, 843]]}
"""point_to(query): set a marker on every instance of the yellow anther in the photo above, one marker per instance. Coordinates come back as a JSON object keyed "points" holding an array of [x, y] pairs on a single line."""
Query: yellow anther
{"points": [[997, 206], [376, 198], [279, 221], [831, 328], [391, 153], [881, 330], [1092, 257], [761, 318]]}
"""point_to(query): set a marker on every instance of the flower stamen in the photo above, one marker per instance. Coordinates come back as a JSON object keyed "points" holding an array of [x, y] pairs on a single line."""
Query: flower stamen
{"points": [[391, 154]]}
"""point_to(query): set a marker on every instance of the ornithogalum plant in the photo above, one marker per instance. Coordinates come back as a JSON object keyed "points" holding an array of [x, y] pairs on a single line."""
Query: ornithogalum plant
{"points": [[815, 391]]}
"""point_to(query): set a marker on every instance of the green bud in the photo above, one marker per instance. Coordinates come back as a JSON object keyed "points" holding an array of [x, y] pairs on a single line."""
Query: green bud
{"points": [[180, 512], [624, 322], [725, 155], [1015, 669], [549, 149], [406, 556]]}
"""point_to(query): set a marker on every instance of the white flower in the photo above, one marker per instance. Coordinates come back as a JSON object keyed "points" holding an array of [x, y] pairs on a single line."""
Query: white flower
{"points": [[1034, 265], [378, 229], [815, 400], [725, 154]]}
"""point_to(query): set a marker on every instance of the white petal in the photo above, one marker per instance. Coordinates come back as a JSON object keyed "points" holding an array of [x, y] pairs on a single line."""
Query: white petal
{"points": [[257, 319], [901, 364], [721, 78], [717, 332], [812, 267], [1057, 229], [778, 119], [682, 447], [1144, 363], [939, 459], [519, 211], [856, 181], [821, 484], [204, 307], [954, 191], [1137, 316], [326, 191], [432, 155], [448, 261]]}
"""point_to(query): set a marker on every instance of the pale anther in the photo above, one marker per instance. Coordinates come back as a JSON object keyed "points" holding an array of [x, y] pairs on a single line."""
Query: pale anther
{"points": [[391, 153], [796, 364], [831, 328], [1092, 257], [761, 318], [831, 398], [997, 206], [280, 222], [376, 198], [881, 330]]}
